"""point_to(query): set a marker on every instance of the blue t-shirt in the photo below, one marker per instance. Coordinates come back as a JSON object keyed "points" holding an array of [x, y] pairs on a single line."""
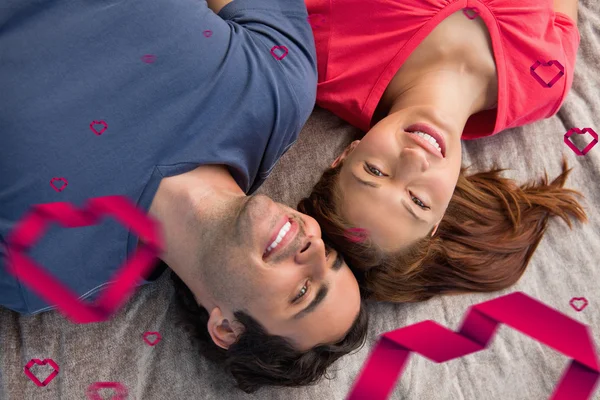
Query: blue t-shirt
{"points": [[170, 85]]}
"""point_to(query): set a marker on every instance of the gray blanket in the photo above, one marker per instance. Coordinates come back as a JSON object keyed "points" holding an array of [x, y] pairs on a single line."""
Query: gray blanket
{"points": [[514, 366]]}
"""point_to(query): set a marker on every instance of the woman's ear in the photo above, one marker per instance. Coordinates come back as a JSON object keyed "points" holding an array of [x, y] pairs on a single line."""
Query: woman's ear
{"points": [[223, 331], [435, 228], [345, 153]]}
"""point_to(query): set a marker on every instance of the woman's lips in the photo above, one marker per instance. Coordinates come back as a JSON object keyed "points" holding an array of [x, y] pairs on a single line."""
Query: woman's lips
{"points": [[433, 132]]}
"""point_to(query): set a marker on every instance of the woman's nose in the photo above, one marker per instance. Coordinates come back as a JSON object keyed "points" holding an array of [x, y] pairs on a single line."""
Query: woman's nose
{"points": [[413, 160], [312, 255]]}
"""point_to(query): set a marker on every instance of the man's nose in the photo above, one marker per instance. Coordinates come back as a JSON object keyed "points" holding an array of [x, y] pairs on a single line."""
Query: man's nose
{"points": [[312, 255]]}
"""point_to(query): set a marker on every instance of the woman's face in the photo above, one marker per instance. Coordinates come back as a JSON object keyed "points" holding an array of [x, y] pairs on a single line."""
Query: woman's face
{"points": [[394, 184]]}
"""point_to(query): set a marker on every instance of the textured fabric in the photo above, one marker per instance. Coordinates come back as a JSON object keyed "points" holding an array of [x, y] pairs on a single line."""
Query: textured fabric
{"points": [[212, 94], [514, 366], [362, 44]]}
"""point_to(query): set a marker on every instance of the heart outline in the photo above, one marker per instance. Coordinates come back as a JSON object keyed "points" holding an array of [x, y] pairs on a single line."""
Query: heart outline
{"points": [[542, 82], [475, 12], [101, 122], [120, 389], [33, 225], [207, 33], [156, 341], [64, 180], [285, 52], [45, 361], [587, 148], [148, 59], [574, 299]]}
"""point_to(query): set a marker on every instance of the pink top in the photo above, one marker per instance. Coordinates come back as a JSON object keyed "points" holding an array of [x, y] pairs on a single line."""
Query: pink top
{"points": [[361, 44]]}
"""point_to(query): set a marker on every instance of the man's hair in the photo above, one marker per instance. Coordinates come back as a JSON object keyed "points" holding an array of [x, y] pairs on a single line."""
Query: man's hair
{"points": [[484, 242], [259, 359]]}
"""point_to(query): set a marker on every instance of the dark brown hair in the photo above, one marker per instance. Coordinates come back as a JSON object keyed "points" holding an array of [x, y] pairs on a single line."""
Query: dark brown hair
{"points": [[257, 358], [483, 244]]}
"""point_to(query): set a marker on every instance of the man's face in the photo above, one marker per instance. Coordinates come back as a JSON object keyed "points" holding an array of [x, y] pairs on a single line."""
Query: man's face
{"points": [[293, 289]]}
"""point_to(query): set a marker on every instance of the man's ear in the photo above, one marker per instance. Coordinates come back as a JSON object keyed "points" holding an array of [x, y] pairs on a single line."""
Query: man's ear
{"points": [[223, 331], [345, 154]]}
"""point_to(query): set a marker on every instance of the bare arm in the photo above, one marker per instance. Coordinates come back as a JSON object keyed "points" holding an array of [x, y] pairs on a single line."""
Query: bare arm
{"points": [[216, 5], [568, 7]]}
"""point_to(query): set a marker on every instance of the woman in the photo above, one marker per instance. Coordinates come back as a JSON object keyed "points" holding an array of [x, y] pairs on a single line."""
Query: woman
{"points": [[419, 76]]}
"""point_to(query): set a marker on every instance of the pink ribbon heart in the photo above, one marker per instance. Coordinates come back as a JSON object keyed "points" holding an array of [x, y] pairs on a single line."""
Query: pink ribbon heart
{"points": [[155, 341], [471, 12], [440, 344], [93, 127], [62, 187], [27, 231], [46, 361], [587, 148], [120, 389], [577, 307], [207, 33], [285, 52], [148, 59], [553, 80]]}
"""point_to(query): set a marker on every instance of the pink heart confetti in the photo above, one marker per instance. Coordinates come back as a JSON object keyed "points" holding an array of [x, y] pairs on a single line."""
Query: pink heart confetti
{"points": [[207, 33], [157, 338], [578, 303], [120, 390], [577, 131], [95, 123], [471, 12], [46, 361], [550, 77], [275, 48], [62, 187], [149, 58]]}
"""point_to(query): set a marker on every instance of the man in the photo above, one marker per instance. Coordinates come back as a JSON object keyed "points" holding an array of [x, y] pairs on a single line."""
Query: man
{"points": [[185, 112]]}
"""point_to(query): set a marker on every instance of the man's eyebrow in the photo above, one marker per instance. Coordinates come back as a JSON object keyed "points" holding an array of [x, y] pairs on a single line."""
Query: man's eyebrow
{"points": [[410, 210], [338, 263], [366, 183], [321, 294]]}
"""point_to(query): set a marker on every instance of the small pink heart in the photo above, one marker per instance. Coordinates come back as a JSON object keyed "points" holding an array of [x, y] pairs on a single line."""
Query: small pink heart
{"points": [[41, 362], [207, 33], [149, 58], [285, 52], [120, 389], [581, 303], [62, 187], [316, 20], [93, 127], [587, 148], [471, 12], [152, 342], [551, 78]]}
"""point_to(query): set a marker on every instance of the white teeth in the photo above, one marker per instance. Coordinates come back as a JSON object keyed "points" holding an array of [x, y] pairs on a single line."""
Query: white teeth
{"points": [[429, 138], [282, 232]]}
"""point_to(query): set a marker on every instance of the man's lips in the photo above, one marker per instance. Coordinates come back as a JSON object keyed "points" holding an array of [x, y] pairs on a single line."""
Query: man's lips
{"points": [[289, 236], [431, 131]]}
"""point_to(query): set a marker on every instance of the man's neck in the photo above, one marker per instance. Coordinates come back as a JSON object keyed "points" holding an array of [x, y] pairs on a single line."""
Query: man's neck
{"points": [[180, 205]]}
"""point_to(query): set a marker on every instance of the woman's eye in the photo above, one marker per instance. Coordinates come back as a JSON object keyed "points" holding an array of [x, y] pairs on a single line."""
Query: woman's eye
{"points": [[373, 170], [418, 202], [301, 293]]}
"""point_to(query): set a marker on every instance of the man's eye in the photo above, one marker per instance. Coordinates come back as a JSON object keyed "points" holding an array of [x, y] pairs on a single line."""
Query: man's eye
{"points": [[302, 292], [373, 170]]}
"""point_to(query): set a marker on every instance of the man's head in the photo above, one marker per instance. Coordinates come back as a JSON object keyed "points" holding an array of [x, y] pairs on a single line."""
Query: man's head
{"points": [[260, 270]]}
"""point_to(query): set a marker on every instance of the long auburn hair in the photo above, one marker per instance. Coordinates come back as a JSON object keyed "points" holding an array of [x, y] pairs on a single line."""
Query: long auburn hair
{"points": [[483, 244]]}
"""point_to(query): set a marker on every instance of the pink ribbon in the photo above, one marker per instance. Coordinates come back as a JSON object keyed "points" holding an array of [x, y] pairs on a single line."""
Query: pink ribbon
{"points": [[517, 310]]}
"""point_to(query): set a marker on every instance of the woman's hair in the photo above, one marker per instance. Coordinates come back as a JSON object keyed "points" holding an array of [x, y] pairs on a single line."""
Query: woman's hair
{"points": [[257, 358], [483, 243]]}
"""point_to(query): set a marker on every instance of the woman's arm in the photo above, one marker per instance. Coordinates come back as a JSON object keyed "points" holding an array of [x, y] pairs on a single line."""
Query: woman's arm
{"points": [[568, 7], [216, 5]]}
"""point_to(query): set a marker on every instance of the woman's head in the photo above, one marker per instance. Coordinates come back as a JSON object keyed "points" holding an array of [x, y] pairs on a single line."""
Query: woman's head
{"points": [[397, 181], [483, 243]]}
